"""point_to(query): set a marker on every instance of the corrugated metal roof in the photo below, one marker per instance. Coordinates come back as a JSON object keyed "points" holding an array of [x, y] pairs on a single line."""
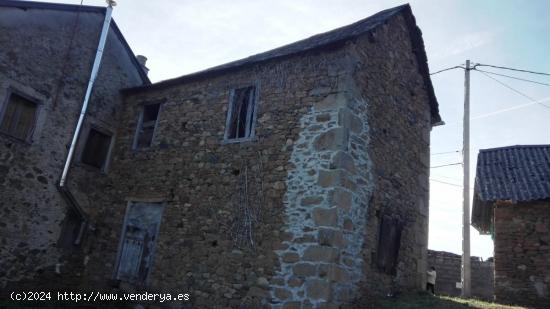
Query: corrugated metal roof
{"points": [[517, 173]]}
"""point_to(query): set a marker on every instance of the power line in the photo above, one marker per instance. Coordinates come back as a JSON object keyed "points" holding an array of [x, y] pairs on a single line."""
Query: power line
{"points": [[511, 69], [514, 90], [447, 152], [513, 77], [459, 163], [447, 69], [444, 182]]}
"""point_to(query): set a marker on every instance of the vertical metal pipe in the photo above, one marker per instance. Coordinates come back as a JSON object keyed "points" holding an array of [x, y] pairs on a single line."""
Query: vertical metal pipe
{"points": [[466, 279], [93, 75]]}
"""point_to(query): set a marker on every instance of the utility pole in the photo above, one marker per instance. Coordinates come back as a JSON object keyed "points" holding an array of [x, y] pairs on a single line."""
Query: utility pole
{"points": [[465, 275]]}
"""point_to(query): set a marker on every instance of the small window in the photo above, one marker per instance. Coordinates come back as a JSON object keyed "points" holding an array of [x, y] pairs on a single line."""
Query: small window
{"points": [[19, 117], [96, 149], [389, 241], [240, 116], [146, 127]]}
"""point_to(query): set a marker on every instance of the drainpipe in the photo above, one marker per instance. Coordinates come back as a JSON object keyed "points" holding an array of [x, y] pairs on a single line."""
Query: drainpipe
{"points": [[63, 189], [93, 76]]}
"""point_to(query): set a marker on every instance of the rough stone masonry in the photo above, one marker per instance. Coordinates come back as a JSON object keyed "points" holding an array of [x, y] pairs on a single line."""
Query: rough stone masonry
{"points": [[295, 178]]}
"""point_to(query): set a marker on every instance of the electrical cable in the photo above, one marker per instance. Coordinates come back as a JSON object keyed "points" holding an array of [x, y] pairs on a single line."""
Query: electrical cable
{"points": [[444, 182], [511, 69], [447, 152], [459, 163], [513, 77], [516, 91], [447, 69]]}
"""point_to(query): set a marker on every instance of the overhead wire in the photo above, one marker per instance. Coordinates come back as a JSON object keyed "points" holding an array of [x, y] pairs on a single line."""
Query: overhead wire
{"points": [[514, 90], [447, 183], [446, 152], [512, 77], [448, 69], [511, 69], [458, 163]]}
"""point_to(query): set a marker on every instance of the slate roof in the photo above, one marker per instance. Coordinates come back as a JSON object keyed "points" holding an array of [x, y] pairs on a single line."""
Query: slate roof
{"points": [[516, 173], [321, 41], [80, 8]]}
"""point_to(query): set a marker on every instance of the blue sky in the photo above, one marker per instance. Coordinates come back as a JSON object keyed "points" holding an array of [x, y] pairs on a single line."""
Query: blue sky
{"points": [[183, 36]]}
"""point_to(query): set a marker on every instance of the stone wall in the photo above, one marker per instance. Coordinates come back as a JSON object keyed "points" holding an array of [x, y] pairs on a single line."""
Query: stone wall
{"points": [[38, 60], [335, 133], [399, 125], [522, 253], [448, 266]]}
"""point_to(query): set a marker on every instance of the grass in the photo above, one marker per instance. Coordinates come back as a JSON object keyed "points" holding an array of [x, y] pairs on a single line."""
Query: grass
{"points": [[424, 300]]}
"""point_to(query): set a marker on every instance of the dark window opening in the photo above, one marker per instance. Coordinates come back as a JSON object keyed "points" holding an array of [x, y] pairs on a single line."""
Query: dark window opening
{"points": [[389, 241], [19, 117], [241, 113], [147, 125], [96, 149]]}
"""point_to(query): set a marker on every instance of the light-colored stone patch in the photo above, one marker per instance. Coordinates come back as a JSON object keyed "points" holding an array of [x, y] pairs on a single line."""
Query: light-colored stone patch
{"points": [[325, 207]]}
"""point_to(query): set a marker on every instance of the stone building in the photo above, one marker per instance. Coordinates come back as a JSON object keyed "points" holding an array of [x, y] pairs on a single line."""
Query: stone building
{"points": [[295, 178], [511, 202], [448, 268], [46, 54]]}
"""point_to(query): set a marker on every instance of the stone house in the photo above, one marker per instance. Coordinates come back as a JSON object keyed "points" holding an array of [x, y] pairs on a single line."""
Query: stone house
{"points": [[511, 202], [294, 178], [46, 54]]}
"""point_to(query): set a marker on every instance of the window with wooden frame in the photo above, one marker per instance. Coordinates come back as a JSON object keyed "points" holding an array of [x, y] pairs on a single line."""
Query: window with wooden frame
{"points": [[96, 149], [146, 126], [241, 114], [389, 241], [18, 117]]}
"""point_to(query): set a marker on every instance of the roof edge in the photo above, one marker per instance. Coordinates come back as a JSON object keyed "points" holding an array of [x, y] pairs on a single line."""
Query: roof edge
{"points": [[414, 33], [515, 147]]}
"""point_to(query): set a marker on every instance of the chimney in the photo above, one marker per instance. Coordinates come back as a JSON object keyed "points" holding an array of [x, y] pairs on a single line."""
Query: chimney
{"points": [[142, 60]]}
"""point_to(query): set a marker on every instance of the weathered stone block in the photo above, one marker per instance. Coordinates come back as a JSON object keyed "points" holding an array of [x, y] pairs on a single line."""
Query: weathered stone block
{"points": [[291, 257], [333, 273], [333, 139], [347, 119], [343, 160], [282, 294], [304, 269], [330, 237], [332, 101], [295, 281], [340, 198], [292, 305], [318, 289], [321, 254], [325, 217], [311, 200]]}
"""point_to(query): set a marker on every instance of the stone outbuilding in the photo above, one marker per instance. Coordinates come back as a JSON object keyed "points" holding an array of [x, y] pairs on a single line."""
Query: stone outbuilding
{"points": [[512, 203], [294, 178]]}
